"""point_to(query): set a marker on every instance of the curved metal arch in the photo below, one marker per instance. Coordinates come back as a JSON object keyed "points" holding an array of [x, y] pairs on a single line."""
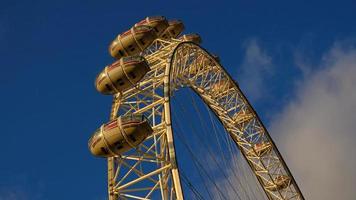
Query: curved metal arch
{"points": [[166, 76], [172, 79]]}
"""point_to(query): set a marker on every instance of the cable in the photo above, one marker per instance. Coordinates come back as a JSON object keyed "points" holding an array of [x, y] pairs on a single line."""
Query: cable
{"points": [[191, 187], [208, 148], [199, 172], [230, 151], [201, 166]]}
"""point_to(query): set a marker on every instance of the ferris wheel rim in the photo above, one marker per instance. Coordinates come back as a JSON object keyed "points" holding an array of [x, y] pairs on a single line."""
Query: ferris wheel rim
{"points": [[235, 84]]}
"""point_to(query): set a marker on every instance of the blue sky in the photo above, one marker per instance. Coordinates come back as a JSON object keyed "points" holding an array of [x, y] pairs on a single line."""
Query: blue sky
{"points": [[51, 51]]}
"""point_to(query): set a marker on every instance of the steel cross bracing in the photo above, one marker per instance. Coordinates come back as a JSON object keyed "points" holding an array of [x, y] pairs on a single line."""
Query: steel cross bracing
{"points": [[150, 171]]}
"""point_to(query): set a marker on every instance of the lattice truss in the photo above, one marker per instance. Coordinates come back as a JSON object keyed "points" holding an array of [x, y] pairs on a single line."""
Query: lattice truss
{"points": [[150, 170]]}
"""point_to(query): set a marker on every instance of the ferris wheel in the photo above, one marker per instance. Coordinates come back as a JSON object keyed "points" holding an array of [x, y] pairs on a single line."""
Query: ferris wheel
{"points": [[139, 141]]}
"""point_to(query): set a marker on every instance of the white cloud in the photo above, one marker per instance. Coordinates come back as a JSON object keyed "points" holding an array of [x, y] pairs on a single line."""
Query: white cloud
{"points": [[256, 67], [316, 132], [242, 178]]}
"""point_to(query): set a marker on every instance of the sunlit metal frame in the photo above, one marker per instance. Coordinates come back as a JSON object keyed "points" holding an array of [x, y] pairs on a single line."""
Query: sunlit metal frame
{"points": [[175, 64]]}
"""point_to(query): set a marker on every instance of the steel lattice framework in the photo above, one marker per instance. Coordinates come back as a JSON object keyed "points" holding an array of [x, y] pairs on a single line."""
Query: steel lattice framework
{"points": [[151, 169]]}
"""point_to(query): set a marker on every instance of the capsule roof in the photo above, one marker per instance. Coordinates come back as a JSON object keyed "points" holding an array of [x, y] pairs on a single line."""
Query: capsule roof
{"points": [[151, 19], [135, 30], [194, 37], [174, 29], [175, 22], [158, 23]]}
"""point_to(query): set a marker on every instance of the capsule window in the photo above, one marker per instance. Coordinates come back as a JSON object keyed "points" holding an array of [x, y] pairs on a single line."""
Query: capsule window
{"points": [[118, 145], [104, 150], [132, 48], [142, 41], [132, 75], [108, 87], [121, 53], [120, 82], [132, 138]]}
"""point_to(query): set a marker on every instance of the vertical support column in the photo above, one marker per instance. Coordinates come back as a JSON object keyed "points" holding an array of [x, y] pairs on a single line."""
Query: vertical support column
{"points": [[111, 161], [169, 132], [111, 181]]}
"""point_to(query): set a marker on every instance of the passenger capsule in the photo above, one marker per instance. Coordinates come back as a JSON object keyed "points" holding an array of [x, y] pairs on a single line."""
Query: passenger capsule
{"points": [[121, 75], [120, 135], [174, 29], [281, 182], [132, 42], [158, 23], [191, 37]]}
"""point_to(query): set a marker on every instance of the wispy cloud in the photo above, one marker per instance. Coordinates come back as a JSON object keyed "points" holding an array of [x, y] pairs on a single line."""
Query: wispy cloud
{"points": [[16, 193], [21, 187], [242, 178], [255, 69], [315, 131], [13, 195]]}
